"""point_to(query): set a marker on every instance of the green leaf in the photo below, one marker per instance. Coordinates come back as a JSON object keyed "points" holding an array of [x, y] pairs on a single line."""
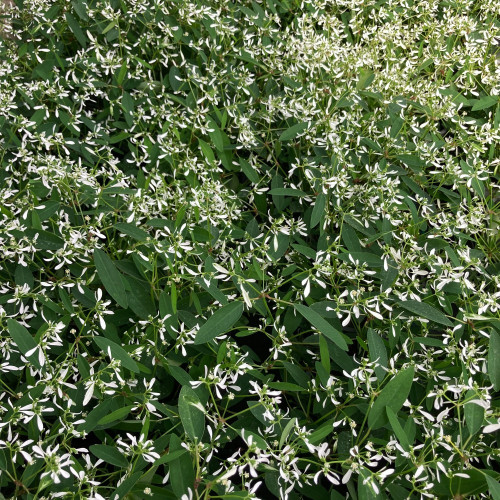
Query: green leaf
{"points": [[350, 239], [474, 415], [181, 469], [215, 135], [95, 415], [493, 487], [220, 322], [425, 311], [324, 353], [109, 454], [321, 432], [128, 108], [139, 298], [168, 457], [318, 210], [494, 360], [297, 374], [246, 435], [207, 151], [110, 277], [366, 77], [322, 325], [396, 126], [75, 28], [304, 250], [24, 341], [293, 132], [80, 8], [119, 414], [122, 73], [365, 488], [191, 413], [249, 171], [132, 230], [483, 103], [109, 27], [378, 352], [285, 386], [126, 486], [117, 352], [286, 431], [369, 258], [393, 395], [286, 192], [213, 290], [398, 430]]}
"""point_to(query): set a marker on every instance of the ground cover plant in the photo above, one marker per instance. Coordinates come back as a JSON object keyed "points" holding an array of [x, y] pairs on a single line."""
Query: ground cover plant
{"points": [[249, 249]]}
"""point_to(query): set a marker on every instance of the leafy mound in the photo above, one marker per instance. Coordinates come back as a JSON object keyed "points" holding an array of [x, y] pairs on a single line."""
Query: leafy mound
{"points": [[249, 250]]}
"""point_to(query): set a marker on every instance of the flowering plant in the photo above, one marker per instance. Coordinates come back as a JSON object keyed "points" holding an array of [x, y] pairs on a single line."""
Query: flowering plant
{"points": [[249, 249]]}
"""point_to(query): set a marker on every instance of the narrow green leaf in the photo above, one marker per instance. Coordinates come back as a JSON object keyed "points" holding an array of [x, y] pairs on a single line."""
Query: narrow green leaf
{"points": [[110, 277], [366, 77], [318, 210], [24, 341], [494, 360], [369, 258], [80, 8], [181, 468], [297, 374], [474, 415], [191, 413], [493, 487], [393, 395], [286, 431], [128, 107], [247, 435], [76, 29], [117, 352], [428, 341], [320, 433], [109, 27], [322, 325], [324, 353], [109, 454], [213, 290], [425, 311], [378, 352], [396, 126], [293, 132], [168, 457], [483, 103], [122, 73], [90, 422], [350, 238], [366, 488], [286, 192], [21, 336], [285, 386], [83, 366], [220, 322], [249, 171], [119, 414], [132, 230], [207, 151], [126, 486], [398, 430], [215, 135], [304, 250]]}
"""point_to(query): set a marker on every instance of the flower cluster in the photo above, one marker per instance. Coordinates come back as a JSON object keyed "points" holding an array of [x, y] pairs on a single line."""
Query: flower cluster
{"points": [[249, 249]]}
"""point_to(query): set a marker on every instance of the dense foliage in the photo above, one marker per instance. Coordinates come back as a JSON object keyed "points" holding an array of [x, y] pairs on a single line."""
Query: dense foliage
{"points": [[249, 249]]}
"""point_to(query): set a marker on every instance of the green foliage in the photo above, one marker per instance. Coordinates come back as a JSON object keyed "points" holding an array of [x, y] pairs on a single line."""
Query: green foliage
{"points": [[249, 249]]}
